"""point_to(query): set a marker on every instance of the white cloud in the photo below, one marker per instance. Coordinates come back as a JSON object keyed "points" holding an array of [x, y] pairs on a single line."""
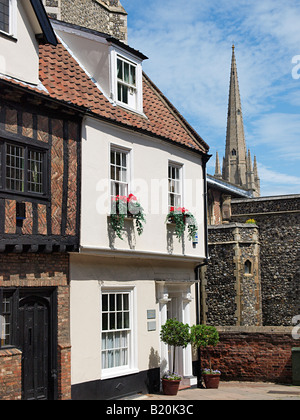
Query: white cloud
{"points": [[277, 183], [189, 49], [280, 132]]}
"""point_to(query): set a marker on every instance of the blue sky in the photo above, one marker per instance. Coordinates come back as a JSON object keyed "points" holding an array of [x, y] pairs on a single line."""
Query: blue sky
{"points": [[189, 50]]}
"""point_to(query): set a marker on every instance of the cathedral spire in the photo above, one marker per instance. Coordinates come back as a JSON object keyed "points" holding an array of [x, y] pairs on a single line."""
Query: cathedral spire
{"points": [[256, 178], [217, 168], [235, 152], [237, 166]]}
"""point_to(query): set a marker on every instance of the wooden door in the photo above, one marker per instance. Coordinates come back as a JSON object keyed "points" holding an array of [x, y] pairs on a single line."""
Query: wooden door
{"points": [[34, 316]]}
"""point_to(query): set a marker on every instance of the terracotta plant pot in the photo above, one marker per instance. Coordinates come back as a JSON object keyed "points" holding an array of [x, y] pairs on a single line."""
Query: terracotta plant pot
{"points": [[170, 387], [211, 381]]}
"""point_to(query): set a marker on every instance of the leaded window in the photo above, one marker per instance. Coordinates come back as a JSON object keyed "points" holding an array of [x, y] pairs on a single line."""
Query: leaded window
{"points": [[22, 169], [8, 305]]}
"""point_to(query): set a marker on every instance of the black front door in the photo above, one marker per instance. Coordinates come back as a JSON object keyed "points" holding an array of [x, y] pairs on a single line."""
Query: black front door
{"points": [[35, 343]]}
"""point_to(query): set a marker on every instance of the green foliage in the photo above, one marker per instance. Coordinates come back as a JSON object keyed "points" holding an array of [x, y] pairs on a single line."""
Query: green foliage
{"points": [[204, 335], [175, 333], [139, 218], [126, 207], [117, 223], [182, 217], [251, 221]]}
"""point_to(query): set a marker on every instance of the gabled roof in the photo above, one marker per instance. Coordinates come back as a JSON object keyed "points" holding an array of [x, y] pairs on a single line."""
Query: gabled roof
{"points": [[63, 79], [42, 17]]}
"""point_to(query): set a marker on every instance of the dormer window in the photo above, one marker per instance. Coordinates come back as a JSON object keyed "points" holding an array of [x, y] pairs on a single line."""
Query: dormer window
{"points": [[7, 16], [126, 80], [126, 75]]}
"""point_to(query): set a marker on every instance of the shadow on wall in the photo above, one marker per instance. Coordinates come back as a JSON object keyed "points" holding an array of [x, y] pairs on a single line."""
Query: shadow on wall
{"points": [[153, 377]]}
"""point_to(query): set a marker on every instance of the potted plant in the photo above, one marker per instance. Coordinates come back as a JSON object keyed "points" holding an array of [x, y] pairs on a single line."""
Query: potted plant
{"points": [[204, 336], [126, 207], [181, 217], [176, 334]]}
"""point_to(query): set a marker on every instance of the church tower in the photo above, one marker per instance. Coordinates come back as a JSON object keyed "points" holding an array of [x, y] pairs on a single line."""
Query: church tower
{"points": [[237, 165], [106, 16]]}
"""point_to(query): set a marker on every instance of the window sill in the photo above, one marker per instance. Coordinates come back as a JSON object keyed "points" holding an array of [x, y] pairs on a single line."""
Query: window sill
{"points": [[24, 196], [8, 36], [128, 217], [128, 108], [9, 351], [117, 372]]}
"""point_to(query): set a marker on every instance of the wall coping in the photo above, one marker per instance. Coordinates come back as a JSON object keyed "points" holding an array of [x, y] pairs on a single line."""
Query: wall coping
{"points": [[10, 352], [256, 330], [267, 198], [233, 225]]}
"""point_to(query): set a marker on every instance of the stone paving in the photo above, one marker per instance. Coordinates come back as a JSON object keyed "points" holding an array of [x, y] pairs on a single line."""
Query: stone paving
{"points": [[230, 391]]}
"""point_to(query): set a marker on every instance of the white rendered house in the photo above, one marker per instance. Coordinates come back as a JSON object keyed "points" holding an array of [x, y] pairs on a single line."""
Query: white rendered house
{"points": [[134, 142]]}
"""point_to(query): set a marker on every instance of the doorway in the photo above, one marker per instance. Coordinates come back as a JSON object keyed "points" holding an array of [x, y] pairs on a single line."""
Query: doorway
{"points": [[37, 339], [175, 302], [174, 310]]}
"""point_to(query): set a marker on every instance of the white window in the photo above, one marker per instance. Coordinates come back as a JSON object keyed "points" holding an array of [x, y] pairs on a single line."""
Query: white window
{"points": [[175, 185], [126, 80], [7, 16], [119, 171], [117, 344]]}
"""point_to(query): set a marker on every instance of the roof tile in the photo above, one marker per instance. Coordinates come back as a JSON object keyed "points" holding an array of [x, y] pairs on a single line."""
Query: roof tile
{"points": [[65, 80]]}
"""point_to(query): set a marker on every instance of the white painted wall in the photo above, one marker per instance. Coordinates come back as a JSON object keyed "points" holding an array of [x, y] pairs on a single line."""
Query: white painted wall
{"points": [[90, 52], [91, 274], [19, 55], [149, 171]]}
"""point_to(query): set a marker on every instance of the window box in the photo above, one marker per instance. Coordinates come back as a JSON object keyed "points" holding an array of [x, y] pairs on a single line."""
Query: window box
{"points": [[124, 207], [182, 218]]}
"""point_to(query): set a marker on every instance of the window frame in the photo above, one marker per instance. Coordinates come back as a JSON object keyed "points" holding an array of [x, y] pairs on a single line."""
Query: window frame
{"points": [[179, 167], [14, 299], [127, 152], [118, 53], [130, 367], [122, 82], [12, 30], [27, 148]]}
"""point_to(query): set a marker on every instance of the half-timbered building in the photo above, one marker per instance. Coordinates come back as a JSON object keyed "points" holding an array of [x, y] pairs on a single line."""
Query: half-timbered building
{"points": [[39, 212]]}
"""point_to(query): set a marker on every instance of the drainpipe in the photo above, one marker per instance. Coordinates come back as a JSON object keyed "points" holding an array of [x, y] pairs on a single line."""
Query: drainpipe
{"points": [[205, 159]]}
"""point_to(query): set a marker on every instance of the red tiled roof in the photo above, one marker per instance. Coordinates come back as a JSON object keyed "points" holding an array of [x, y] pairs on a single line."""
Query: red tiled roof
{"points": [[65, 80]]}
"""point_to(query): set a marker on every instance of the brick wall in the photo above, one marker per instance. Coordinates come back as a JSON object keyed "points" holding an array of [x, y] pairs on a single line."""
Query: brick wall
{"points": [[254, 354], [10, 374], [38, 270]]}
